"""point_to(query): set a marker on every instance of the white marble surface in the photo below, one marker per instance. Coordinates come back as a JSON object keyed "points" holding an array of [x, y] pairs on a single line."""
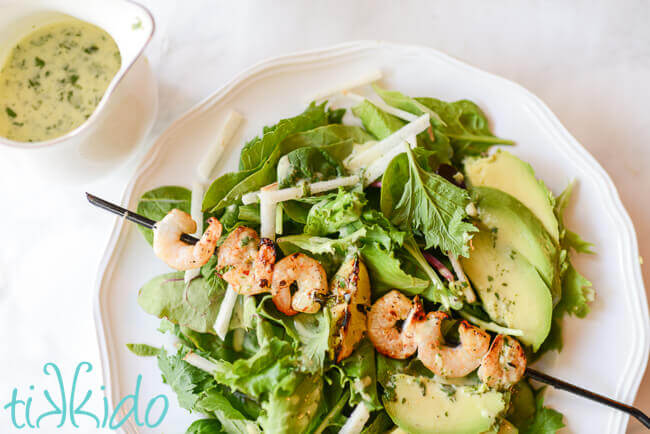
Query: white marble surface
{"points": [[588, 60]]}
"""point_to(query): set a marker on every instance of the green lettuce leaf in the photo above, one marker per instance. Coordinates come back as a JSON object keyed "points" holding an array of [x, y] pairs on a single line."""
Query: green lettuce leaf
{"points": [[216, 402], [361, 371], [577, 290], [414, 199], [577, 293], [328, 216], [568, 239], [187, 382], [386, 272], [310, 334], [546, 420], [308, 164], [156, 203], [319, 245], [294, 405]]}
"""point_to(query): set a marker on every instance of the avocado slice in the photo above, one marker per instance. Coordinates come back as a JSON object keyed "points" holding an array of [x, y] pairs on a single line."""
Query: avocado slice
{"points": [[505, 172], [510, 288], [421, 405], [514, 225]]}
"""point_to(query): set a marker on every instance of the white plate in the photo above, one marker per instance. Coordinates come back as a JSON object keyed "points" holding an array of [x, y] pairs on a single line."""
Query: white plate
{"points": [[606, 352]]}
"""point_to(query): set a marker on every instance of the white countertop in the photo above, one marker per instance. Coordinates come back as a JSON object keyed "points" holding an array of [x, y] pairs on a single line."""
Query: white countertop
{"points": [[589, 62]]}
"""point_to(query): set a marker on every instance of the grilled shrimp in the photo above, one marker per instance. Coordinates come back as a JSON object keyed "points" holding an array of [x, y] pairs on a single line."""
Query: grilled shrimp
{"points": [[246, 262], [310, 278], [167, 244], [504, 364], [450, 361], [386, 334]]}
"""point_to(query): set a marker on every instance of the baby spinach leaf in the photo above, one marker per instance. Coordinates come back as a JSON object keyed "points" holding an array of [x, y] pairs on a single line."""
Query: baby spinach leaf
{"points": [[308, 164], [221, 186], [229, 188], [414, 199], [466, 127], [156, 203], [335, 116], [252, 182], [143, 350], [256, 152], [461, 123], [205, 426], [194, 306], [379, 123], [328, 135]]}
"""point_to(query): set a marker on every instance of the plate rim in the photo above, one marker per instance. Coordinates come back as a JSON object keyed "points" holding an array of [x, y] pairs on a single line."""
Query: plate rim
{"points": [[637, 361]]}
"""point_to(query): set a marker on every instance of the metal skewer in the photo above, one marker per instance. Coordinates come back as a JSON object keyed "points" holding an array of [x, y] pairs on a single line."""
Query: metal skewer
{"points": [[563, 385], [132, 216], [532, 373]]}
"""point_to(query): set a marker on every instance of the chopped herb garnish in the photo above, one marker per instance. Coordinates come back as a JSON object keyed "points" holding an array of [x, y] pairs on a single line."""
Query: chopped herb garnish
{"points": [[10, 112], [39, 62], [91, 49], [73, 78]]}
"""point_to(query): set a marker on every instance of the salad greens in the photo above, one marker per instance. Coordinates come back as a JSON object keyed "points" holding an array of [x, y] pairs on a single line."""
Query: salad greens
{"points": [[156, 203], [275, 373]]}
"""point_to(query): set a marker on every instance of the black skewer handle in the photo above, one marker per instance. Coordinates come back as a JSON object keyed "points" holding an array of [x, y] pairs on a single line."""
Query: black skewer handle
{"points": [[132, 216], [563, 385]]}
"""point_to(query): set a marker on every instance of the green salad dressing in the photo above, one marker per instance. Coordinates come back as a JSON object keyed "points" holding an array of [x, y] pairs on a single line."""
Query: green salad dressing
{"points": [[54, 78]]}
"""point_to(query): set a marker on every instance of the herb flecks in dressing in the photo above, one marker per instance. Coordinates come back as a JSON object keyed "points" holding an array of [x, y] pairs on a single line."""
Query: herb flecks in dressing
{"points": [[54, 78]]}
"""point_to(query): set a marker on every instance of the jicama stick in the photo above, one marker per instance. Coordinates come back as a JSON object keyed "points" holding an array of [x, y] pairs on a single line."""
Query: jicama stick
{"points": [[222, 322], [409, 117], [365, 158], [357, 420], [211, 157], [197, 216], [293, 193], [367, 78]]}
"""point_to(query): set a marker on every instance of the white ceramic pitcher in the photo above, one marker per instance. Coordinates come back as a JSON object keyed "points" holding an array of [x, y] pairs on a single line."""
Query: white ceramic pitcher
{"points": [[127, 110]]}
